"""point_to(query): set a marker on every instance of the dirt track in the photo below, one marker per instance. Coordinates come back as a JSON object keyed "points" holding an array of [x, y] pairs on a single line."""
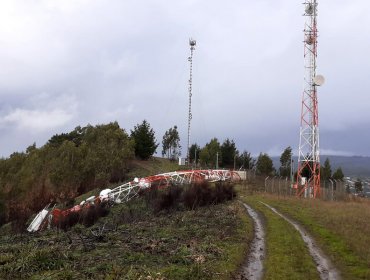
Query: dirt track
{"points": [[253, 268], [325, 268]]}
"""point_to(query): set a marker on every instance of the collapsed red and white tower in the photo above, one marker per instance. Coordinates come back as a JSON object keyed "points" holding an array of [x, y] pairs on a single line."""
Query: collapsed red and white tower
{"points": [[308, 176]]}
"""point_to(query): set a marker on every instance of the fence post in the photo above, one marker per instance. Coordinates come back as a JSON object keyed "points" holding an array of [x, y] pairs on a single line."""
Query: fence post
{"points": [[279, 186], [266, 183], [332, 189], [286, 187]]}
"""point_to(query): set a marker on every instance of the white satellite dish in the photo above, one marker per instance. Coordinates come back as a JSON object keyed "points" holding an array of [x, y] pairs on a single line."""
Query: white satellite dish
{"points": [[309, 40], [309, 9], [318, 80]]}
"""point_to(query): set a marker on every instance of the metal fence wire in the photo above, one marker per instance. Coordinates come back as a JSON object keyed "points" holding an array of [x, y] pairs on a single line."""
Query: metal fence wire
{"points": [[282, 186]]}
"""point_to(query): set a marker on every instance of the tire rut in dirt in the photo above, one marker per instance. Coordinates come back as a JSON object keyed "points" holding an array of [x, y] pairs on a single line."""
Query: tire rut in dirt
{"points": [[253, 267], [324, 266]]}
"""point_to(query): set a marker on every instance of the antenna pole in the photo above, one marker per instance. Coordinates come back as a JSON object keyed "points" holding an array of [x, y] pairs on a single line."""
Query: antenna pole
{"points": [[308, 176], [192, 44]]}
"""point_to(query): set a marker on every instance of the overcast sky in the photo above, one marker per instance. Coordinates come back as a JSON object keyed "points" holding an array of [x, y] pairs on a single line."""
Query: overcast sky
{"points": [[65, 63]]}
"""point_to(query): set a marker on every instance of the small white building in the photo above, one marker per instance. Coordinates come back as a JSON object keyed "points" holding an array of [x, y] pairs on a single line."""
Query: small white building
{"points": [[182, 161]]}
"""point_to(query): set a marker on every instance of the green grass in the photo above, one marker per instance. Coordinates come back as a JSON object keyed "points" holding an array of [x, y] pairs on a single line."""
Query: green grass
{"points": [[287, 256], [208, 243], [342, 230], [155, 165]]}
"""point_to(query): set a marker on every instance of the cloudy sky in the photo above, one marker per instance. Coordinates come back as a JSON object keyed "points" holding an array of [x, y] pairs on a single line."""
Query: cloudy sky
{"points": [[65, 63]]}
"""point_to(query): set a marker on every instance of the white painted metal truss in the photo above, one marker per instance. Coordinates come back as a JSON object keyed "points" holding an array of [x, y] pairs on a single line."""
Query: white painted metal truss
{"points": [[131, 189], [123, 193]]}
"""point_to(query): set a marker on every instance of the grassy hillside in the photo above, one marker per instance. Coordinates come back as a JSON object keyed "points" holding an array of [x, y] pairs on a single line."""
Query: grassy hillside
{"points": [[155, 165], [135, 242], [140, 240]]}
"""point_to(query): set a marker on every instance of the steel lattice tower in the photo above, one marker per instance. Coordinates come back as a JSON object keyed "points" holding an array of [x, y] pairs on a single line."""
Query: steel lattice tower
{"points": [[308, 176], [192, 44]]}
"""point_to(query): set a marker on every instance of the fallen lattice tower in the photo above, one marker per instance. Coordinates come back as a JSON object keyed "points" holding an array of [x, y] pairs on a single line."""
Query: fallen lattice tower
{"points": [[51, 216]]}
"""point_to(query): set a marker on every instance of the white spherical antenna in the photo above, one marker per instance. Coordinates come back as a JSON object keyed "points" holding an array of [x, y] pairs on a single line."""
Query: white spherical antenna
{"points": [[309, 9], [318, 80], [192, 42]]}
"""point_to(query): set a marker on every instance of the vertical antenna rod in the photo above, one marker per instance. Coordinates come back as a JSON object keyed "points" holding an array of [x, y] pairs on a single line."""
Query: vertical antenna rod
{"points": [[192, 44], [308, 176]]}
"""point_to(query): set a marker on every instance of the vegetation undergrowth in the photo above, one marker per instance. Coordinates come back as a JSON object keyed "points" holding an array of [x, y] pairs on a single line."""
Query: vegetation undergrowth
{"points": [[287, 256], [145, 238], [340, 228]]}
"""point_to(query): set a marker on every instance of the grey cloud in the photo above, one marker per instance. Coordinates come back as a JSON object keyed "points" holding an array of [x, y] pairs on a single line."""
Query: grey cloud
{"points": [[91, 62]]}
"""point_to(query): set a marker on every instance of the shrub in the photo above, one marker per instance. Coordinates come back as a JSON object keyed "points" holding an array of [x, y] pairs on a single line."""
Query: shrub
{"points": [[199, 194], [102, 209], [150, 195], [89, 216], [223, 192], [168, 199], [72, 219], [92, 213]]}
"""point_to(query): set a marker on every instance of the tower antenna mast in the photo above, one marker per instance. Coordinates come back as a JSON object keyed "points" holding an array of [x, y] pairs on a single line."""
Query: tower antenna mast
{"points": [[308, 176], [192, 44]]}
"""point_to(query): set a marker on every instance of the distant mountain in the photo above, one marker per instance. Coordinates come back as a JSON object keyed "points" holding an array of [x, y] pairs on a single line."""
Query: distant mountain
{"points": [[352, 166]]}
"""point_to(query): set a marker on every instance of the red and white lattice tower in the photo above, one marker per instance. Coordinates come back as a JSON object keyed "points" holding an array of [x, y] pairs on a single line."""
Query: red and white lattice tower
{"points": [[308, 176]]}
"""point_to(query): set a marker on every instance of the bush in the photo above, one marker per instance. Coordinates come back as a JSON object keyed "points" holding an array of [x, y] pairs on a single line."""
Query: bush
{"points": [[168, 199], [224, 192], [201, 194], [191, 197], [66, 222], [197, 195], [150, 195], [102, 209], [89, 216]]}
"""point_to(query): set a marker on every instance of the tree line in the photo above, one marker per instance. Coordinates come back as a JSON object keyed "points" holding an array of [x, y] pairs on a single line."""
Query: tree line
{"points": [[265, 166], [73, 163], [68, 165]]}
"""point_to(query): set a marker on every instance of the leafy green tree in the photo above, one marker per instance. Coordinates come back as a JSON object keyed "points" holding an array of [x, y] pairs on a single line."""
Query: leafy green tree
{"points": [[204, 157], [69, 164], [285, 162], [338, 174], [246, 161], [171, 144], [326, 170], [208, 154], [2, 209], [66, 169], [2, 205], [214, 149], [12, 175], [100, 156], [76, 136], [264, 164], [145, 143], [229, 153], [107, 148], [194, 152]]}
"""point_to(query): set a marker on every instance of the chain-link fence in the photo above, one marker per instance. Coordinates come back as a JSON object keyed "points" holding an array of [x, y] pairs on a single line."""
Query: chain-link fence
{"points": [[282, 186]]}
